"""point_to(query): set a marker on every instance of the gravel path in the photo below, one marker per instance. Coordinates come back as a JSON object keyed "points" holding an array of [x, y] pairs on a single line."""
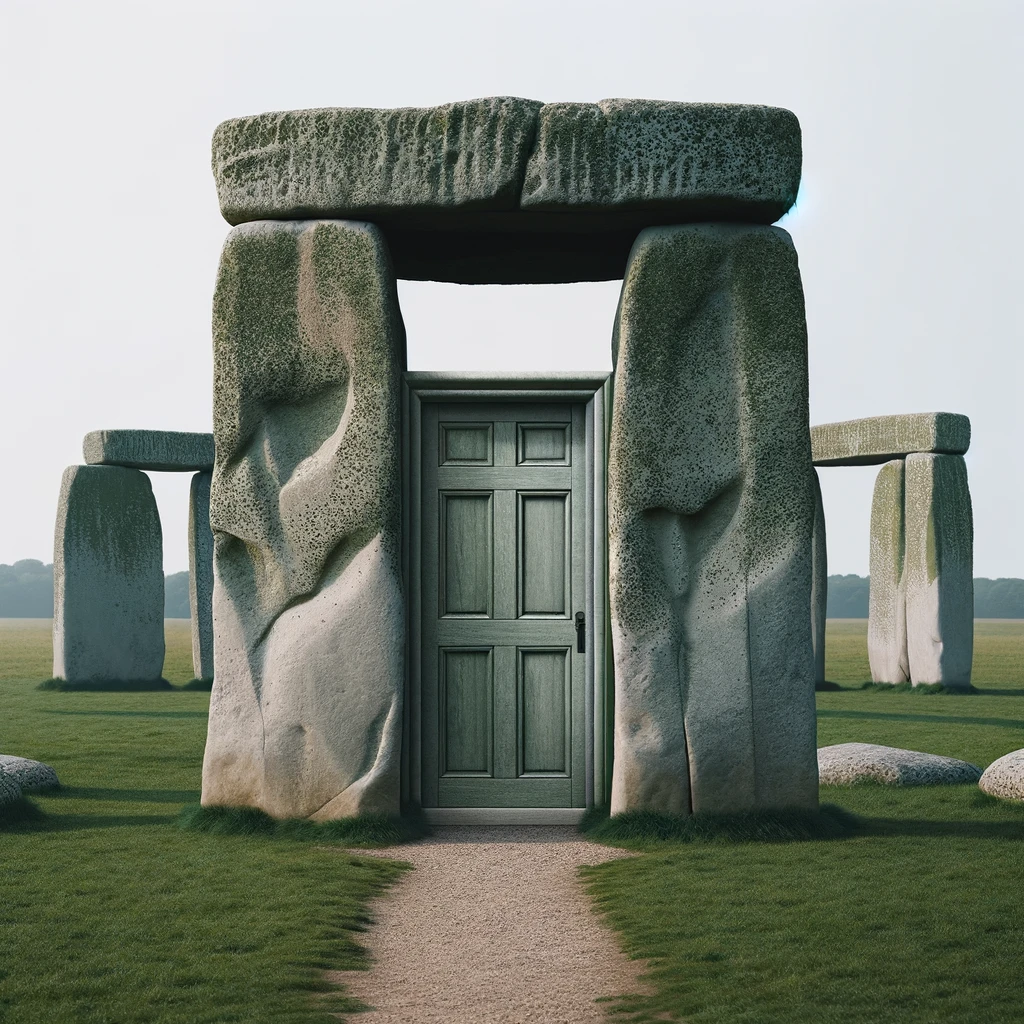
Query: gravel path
{"points": [[493, 925]]}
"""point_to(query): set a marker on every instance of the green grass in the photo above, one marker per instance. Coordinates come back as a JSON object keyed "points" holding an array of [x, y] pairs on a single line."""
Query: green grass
{"points": [[112, 912], [913, 915]]}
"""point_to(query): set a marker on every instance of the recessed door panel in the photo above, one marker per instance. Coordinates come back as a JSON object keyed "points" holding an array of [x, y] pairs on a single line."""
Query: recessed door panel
{"points": [[467, 554], [466, 444], [543, 553], [544, 444], [467, 702], [544, 698]]}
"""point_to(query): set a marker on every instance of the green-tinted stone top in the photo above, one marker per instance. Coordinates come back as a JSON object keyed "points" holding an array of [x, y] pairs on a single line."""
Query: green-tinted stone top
{"points": [[169, 450], [513, 163], [877, 439]]}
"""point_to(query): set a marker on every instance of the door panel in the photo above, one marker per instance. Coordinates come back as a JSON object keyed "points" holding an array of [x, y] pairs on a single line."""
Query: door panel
{"points": [[503, 543]]}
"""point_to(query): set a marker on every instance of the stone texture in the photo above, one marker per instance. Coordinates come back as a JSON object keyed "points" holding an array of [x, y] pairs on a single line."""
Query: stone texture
{"points": [[887, 614], [200, 575], [688, 161], [847, 763], [31, 776], [359, 162], [819, 584], [10, 791], [167, 450], [309, 634], [939, 570], [877, 439], [711, 511], [1005, 777], [495, 191], [108, 580]]}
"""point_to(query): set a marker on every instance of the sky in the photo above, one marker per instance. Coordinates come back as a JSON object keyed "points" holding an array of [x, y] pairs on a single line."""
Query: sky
{"points": [[908, 225]]}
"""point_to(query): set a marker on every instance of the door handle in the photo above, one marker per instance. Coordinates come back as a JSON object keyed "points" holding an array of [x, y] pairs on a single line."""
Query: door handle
{"points": [[581, 633]]}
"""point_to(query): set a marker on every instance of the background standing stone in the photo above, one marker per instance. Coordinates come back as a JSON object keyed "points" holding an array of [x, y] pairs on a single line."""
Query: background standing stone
{"points": [[200, 575], [711, 511], [108, 615], [306, 709], [887, 615], [819, 584], [939, 570]]}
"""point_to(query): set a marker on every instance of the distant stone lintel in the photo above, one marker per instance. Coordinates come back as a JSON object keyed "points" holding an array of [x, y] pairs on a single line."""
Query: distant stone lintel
{"points": [[166, 450], [878, 439]]}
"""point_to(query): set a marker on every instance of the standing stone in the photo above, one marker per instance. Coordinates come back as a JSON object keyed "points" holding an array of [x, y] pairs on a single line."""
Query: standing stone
{"points": [[200, 575], [939, 570], [711, 514], [306, 708], [108, 580], [819, 584], [887, 614]]}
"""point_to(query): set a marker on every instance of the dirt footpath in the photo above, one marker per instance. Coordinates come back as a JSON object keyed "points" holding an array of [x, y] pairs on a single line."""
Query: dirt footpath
{"points": [[493, 925]]}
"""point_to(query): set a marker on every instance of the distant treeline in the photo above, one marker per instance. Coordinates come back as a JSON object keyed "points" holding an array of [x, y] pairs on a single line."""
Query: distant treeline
{"points": [[26, 592], [993, 599]]}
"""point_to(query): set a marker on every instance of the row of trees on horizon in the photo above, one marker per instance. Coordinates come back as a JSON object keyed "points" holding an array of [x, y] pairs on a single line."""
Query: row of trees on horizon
{"points": [[26, 592]]}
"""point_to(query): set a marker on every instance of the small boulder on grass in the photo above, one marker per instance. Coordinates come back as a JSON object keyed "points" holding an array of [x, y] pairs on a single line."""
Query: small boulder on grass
{"points": [[845, 764], [10, 791], [1004, 777], [31, 776]]}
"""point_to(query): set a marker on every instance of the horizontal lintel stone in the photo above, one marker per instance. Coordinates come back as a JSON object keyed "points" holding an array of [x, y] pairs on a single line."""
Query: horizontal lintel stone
{"points": [[166, 450], [878, 439], [510, 165]]}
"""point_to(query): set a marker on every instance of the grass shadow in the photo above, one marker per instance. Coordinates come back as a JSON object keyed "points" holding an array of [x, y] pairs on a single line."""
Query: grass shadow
{"points": [[203, 685], [896, 716], [365, 830], [104, 685], [141, 796], [922, 689], [828, 822], [22, 815]]}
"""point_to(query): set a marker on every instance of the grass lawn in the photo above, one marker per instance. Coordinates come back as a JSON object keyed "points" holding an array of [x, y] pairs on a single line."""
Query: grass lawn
{"points": [[111, 912], [918, 917]]}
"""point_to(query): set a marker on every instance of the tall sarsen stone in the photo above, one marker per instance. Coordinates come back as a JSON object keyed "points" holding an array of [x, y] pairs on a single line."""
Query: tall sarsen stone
{"points": [[711, 510], [108, 580], [305, 714], [887, 612]]}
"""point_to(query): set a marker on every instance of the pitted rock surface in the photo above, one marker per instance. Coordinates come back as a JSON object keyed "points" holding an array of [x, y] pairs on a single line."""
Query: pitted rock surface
{"points": [[30, 775], [308, 612], [844, 764], [877, 439], [1005, 777], [9, 788], [163, 450], [710, 517], [887, 607]]}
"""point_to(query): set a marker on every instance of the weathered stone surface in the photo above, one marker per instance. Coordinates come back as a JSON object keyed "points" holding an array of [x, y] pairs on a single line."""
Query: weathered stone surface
{"points": [[495, 191], [877, 439], [1005, 777], [847, 763], [689, 161], [711, 511], [939, 570], [168, 450], [10, 791], [306, 708], [819, 584], [359, 162], [887, 612], [31, 776], [108, 580], [200, 575]]}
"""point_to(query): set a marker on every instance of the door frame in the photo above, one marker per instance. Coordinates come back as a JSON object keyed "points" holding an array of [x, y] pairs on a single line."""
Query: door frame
{"points": [[593, 390]]}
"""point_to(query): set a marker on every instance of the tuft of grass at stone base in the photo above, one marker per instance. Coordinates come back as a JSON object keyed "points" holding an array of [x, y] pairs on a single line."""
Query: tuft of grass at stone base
{"points": [[367, 830], [642, 827]]}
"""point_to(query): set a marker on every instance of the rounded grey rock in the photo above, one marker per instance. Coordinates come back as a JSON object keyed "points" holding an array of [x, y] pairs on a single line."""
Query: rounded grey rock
{"points": [[30, 775], [844, 764], [9, 789], [1005, 777]]}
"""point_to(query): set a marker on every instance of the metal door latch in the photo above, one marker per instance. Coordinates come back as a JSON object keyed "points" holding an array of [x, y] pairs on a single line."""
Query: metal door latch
{"points": [[581, 633]]}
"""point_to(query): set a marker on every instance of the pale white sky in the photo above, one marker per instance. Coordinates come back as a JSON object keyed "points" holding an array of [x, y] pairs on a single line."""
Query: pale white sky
{"points": [[908, 227]]}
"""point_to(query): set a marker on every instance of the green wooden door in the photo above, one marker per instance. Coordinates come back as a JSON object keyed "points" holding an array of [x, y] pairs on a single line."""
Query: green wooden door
{"points": [[503, 545]]}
